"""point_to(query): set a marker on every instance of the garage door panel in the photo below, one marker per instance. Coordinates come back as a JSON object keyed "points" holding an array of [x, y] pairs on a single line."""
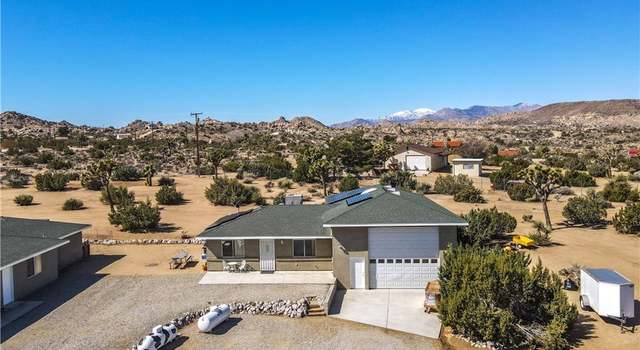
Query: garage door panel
{"points": [[416, 162]]}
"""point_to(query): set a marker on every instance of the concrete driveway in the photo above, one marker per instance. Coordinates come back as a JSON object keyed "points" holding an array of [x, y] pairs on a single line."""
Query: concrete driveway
{"points": [[396, 309]]}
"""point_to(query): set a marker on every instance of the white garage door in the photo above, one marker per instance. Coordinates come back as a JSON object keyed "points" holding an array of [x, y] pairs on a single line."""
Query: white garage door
{"points": [[403, 257], [417, 162]]}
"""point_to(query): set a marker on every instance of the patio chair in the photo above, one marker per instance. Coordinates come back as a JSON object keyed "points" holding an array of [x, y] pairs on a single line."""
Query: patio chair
{"points": [[243, 266], [225, 267]]}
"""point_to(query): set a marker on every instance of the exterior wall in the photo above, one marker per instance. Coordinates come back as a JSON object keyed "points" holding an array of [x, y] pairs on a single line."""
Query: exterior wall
{"points": [[349, 242], [285, 261], [458, 168], [70, 252], [433, 162], [23, 285]]}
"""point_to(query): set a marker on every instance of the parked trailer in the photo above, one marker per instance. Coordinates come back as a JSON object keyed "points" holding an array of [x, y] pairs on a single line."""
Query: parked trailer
{"points": [[608, 293]]}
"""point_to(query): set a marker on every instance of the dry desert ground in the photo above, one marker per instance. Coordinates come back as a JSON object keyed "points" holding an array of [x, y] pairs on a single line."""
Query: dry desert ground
{"points": [[587, 247]]}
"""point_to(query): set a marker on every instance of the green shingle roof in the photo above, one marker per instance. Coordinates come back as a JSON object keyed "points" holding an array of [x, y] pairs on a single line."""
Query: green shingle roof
{"points": [[384, 208], [21, 238]]}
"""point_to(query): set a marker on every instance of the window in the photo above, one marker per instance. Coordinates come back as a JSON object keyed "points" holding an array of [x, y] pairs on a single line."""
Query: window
{"points": [[233, 248], [398, 261], [467, 166], [34, 266], [372, 261], [434, 261], [407, 261], [416, 261], [380, 261], [389, 261], [304, 247]]}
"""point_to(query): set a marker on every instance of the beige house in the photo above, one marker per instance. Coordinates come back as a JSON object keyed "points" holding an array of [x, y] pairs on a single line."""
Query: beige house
{"points": [[471, 167], [376, 237], [418, 159]]}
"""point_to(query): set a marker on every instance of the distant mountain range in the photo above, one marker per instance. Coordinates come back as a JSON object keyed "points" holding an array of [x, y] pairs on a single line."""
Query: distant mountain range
{"points": [[412, 116]]}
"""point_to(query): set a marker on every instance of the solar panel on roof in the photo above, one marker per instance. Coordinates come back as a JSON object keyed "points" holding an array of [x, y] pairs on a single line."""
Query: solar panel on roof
{"points": [[343, 195], [359, 198]]}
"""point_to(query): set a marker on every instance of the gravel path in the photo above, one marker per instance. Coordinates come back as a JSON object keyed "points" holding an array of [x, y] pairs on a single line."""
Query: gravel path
{"points": [[82, 310]]}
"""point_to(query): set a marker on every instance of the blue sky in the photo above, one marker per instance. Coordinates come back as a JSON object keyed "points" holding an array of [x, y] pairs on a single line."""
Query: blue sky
{"points": [[109, 62]]}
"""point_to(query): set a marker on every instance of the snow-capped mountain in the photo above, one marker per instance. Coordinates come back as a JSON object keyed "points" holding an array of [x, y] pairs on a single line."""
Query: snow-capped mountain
{"points": [[409, 115]]}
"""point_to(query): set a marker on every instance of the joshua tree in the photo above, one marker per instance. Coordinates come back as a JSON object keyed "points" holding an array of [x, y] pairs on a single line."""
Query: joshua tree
{"points": [[543, 180], [216, 155], [148, 172], [103, 170], [321, 169]]}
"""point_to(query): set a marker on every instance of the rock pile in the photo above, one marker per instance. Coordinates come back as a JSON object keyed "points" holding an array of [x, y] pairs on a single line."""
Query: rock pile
{"points": [[478, 344], [141, 241]]}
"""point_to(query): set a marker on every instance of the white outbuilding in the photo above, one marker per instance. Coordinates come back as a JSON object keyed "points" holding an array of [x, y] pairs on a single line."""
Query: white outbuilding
{"points": [[418, 159], [607, 292], [471, 167]]}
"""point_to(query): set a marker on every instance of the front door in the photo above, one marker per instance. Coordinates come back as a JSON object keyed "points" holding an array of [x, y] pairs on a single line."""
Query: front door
{"points": [[267, 255], [357, 272], [7, 286]]}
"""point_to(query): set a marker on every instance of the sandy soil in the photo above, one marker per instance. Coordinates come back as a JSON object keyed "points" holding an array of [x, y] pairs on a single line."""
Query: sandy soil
{"points": [[145, 260]]}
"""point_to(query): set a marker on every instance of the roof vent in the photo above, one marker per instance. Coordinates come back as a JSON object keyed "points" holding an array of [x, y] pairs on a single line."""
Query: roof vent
{"points": [[293, 200]]}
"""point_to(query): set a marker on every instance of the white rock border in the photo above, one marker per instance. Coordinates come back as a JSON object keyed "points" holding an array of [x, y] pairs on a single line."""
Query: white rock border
{"points": [[141, 241]]}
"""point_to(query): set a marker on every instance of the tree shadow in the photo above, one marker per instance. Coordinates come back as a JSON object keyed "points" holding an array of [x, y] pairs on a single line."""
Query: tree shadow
{"points": [[582, 330], [72, 280], [167, 228]]}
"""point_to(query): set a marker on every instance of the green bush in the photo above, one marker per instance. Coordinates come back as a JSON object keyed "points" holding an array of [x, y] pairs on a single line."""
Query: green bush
{"points": [[423, 188], [494, 296], [23, 200], [273, 166], [49, 181], [449, 184], [521, 192], [627, 220], [166, 181], [285, 184], [232, 166], [619, 190], [14, 178], [469, 195], [575, 178], [225, 191], [509, 170], [126, 173], [348, 183], [58, 164], [44, 157], [136, 217], [399, 179], [168, 195], [485, 224], [279, 199], [90, 182], [72, 204], [25, 160], [597, 169], [120, 195], [585, 210]]}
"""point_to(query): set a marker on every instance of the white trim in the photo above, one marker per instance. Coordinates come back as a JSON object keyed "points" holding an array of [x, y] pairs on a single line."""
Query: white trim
{"points": [[261, 237], [394, 225], [35, 254], [74, 232], [467, 160]]}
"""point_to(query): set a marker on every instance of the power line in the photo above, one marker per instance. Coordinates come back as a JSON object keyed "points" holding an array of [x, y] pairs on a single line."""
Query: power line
{"points": [[196, 116]]}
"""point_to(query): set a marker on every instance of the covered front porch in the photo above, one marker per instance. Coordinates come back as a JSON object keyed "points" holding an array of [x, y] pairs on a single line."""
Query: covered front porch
{"points": [[277, 277]]}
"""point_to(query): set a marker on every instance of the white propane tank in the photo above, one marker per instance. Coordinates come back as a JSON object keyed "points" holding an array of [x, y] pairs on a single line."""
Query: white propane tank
{"points": [[215, 316]]}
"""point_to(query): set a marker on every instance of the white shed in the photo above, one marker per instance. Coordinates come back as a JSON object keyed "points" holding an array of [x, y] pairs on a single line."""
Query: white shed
{"points": [[418, 159], [471, 167]]}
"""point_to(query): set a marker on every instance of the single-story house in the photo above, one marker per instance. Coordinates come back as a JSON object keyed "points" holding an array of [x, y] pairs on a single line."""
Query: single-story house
{"points": [[471, 167], [418, 159], [376, 237], [33, 251]]}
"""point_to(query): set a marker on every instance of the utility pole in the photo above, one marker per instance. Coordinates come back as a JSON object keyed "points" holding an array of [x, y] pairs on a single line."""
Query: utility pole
{"points": [[195, 115]]}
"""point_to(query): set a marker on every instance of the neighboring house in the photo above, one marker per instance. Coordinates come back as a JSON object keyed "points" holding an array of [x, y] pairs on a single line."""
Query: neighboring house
{"points": [[33, 251], [468, 166], [509, 152], [450, 143], [418, 159], [370, 238]]}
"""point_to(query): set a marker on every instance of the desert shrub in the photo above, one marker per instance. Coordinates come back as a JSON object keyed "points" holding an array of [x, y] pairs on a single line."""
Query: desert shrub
{"points": [[120, 195], [399, 179], [575, 162], [25, 160], [166, 181], [563, 191], [73, 175], [627, 220], [136, 217], [126, 173], [348, 183], [23, 200], [541, 236], [273, 166], [168, 195], [485, 224], [279, 199], [509, 170], [90, 182], [15, 178], [521, 192], [635, 177], [248, 180], [491, 295], [44, 157], [72, 204], [224, 191], [469, 195], [58, 164], [585, 210], [285, 184], [423, 188], [49, 181], [619, 190], [597, 169], [232, 165], [449, 184], [576, 178]]}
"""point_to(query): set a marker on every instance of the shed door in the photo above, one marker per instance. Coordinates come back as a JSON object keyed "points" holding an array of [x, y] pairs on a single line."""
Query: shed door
{"points": [[403, 257], [416, 162]]}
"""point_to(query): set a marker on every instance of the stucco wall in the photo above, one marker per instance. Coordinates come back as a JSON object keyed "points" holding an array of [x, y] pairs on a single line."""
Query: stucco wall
{"points": [[349, 242], [458, 168], [70, 252], [23, 285]]}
